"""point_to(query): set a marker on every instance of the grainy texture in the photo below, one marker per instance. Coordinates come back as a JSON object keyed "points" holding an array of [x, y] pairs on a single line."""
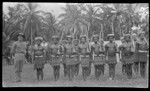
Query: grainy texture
{"points": [[29, 79]]}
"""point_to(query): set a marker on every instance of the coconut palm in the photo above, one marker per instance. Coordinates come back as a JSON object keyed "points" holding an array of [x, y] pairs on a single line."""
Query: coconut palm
{"points": [[72, 20], [91, 15], [50, 28]]}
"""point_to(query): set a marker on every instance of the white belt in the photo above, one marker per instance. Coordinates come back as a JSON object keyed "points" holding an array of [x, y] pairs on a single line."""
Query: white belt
{"points": [[53, 55], [99, 55], [84, 56], [38, 56], [142, 51]]}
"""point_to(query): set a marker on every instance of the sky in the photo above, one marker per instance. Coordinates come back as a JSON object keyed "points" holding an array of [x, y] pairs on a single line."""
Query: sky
{"points": [[55, 8]]}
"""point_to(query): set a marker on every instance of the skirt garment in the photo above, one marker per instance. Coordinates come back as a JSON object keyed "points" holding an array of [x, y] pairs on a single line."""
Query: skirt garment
{"points": [[111, 59], [142, 57], [39, 62], [71, 60], [85, 61], [128, 60], [55, 61], [99, 60]]}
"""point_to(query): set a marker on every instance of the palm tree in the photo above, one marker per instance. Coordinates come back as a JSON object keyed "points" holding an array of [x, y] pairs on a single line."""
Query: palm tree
{"points": [[92, 17], [107, 17], [50, 28], [71, 20]]}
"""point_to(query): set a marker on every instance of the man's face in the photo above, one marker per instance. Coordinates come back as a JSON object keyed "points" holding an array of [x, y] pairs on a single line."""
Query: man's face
{"points": [[127, 38], [76, 42], [95, 39], [20, 38], [111, 39], [122, 40], [142, 36], [55, 41], [83, 39], [69, 40], [38, 42]]}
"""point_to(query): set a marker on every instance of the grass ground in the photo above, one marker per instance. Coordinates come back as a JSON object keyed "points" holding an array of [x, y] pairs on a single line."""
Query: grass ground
{"points": [[29, 79]]}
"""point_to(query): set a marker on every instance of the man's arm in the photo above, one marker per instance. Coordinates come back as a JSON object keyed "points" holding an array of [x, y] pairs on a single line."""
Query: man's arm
{"points": [[13, 48]]}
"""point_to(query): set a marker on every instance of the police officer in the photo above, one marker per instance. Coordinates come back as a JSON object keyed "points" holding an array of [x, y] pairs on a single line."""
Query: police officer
{"points": [[98, 51], [69, 58], [142, 50], [128, 55], [55, 52], [111, 50], [19, 51], [84, 56], [39, 57]]}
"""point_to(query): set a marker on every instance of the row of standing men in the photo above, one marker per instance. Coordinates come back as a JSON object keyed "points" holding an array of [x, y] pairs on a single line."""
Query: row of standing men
{"points": [[73, 53]]}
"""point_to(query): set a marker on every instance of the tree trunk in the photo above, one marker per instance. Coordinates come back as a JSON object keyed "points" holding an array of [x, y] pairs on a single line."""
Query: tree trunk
{"points": [[31, 42], [120, 30], [102, 31], [62, 36]]}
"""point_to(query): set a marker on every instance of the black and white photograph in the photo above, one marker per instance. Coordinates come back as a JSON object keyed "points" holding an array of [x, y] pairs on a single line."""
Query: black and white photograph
{"points": [[59, 44]]}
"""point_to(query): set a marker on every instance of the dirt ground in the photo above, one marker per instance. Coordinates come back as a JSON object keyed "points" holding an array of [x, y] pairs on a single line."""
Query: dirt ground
{"points": [[29, 79]]}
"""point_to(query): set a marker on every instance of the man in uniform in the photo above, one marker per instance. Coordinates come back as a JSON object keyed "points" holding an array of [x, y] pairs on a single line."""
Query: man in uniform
{"points": [[55, 52], [84, 56], [69, 58], [128, 55], [111, 50], [99, 56], [142, 50], [19, 51], [39, 57]]}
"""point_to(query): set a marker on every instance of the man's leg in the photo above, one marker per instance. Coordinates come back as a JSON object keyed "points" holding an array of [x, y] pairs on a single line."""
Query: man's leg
{"points": [[143, 69], [54, 72], [38, 74], [136, 68]]}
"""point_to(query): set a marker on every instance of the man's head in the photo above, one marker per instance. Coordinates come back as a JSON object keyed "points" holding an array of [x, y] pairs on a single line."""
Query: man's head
{"points": [[83, 39], [76, 42], [95, 38], [55, 39], [38, 40], [20, 37], [111, 37], [141, 35], [69, 39], [127, 37]]}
